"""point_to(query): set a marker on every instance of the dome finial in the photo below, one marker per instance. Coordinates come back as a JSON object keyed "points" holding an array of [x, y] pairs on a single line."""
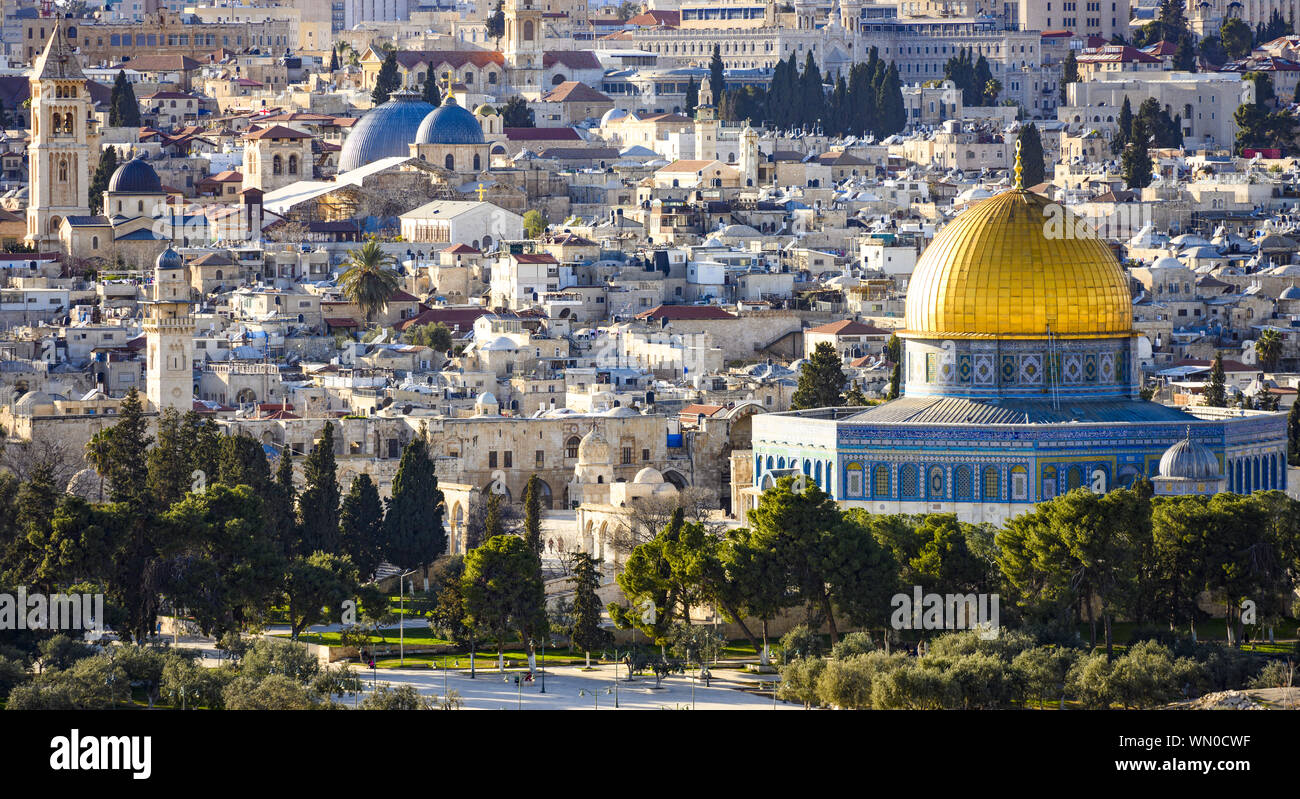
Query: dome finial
{"points": [[1020, 181]]}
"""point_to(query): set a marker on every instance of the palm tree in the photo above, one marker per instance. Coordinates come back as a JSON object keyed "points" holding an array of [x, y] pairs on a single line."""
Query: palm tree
{"points": [[369, 279], [1269, 348]]}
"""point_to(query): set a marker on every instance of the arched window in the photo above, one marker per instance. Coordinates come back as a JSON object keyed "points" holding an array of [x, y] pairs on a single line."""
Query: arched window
{"points": [[991, 483], [293, 165], [571, 448], [964, 483], [1049, 482], [277, 165], [450, 161], [910, 481], [528, 30], [1073, 478], [63, 170], [94, 242], [477, 163], [852, 479], [934, 482], [880, 481], [1019, 483]]}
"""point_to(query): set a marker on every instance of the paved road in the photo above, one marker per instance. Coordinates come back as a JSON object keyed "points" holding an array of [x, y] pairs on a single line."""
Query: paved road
{"points": [[571, 688]]}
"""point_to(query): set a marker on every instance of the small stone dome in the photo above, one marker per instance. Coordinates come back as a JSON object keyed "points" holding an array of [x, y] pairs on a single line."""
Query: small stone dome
{"points": [[1188, 460], [486, 398], [649, 475], [485, 110], [449, 124], [169, 259], [593, 448], [135, 177]]}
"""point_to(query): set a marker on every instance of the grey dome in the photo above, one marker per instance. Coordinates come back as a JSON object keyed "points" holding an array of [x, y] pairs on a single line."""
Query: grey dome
{"points": [[449, 124], [135, 177], [386, 131], [169, 259], [1189, 460]]}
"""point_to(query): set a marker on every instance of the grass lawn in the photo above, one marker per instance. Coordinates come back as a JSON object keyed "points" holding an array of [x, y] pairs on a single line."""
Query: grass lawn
{"points": [[413, 637], [484, 659]]}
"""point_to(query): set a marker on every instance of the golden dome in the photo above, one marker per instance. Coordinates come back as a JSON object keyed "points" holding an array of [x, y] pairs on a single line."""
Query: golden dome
{"points": [[1007, 267]]}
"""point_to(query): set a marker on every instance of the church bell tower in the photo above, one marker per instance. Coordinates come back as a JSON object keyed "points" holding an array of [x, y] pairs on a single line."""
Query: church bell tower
{"points": [[59, 152]]}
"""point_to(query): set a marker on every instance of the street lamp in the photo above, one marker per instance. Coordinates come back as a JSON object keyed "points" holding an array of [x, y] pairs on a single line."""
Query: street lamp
{"points": [[401, 615]]}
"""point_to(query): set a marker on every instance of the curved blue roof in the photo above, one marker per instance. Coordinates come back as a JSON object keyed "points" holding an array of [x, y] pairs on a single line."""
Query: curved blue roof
{"points": [[135, 177], [386, 131], [450, 124]]}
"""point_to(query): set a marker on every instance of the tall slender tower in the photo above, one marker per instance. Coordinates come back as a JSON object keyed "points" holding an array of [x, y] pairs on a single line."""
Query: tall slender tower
{"points": [[169, 336], [525, 42], [749, 155], [706, 125], [59, 153]]}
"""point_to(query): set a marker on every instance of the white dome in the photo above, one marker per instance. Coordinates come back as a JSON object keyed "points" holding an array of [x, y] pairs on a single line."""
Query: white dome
{"points": [[486, 398], [648, 475], [593, 448]]}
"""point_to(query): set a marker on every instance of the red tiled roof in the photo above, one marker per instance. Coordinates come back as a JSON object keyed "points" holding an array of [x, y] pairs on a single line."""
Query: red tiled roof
{"points": [[696, 409], [542, 134], [462, 249], [848, 327], [674, 312], [650, 19], [454, 318], [572, 91], [276, 132], [452, 58], [1228, 366], [534, 258], [573, 59]]}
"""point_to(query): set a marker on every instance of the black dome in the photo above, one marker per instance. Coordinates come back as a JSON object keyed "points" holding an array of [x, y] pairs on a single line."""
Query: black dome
{"points": [[135, 177]]}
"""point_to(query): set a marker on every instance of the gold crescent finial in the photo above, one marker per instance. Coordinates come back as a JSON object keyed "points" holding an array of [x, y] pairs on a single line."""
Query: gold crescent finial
{"points": [[1019, 170]]}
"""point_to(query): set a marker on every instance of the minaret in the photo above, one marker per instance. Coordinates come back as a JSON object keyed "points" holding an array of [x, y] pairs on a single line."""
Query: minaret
{"points": [[706, 125], [169, 333], [59, 153], [749, 155]]}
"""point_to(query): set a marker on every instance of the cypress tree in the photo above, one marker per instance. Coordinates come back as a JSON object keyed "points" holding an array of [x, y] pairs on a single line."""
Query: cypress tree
{"points": [[812, 96], [361, 522], [1031, 156], [692, 98], [413, 526], [99, 181], [334, 59], [1216, 393], [889, 100], [533, 515], [1069, 73], [587, 633], [821, 380], [1135, 163], [717, 85], [124, 103], [431, 93], [318, 505], [387, 81], [1123, 128]]}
